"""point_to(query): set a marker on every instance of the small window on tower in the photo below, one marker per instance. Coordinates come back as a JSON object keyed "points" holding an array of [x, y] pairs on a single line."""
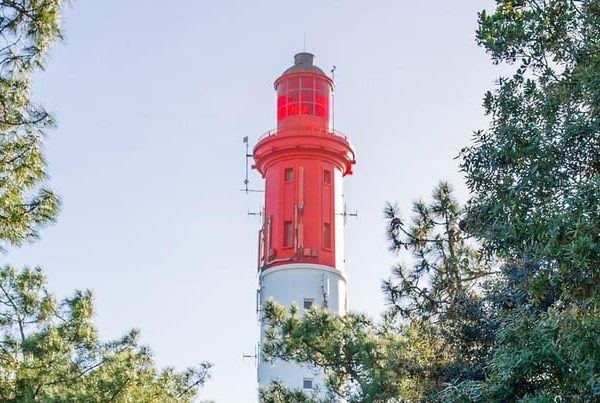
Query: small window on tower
{"points": [[308, 303], [327, 177], [307, 383], [289, 174], [327, 235], [287, 234]]}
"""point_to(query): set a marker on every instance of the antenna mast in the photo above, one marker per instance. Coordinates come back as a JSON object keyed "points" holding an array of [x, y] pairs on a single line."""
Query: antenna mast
{"points": [[333, 98], [347, 214], [246, 180]]}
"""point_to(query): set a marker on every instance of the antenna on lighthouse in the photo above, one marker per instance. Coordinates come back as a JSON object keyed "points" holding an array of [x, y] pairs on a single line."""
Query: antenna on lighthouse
{"points": [[246, 180], [254, 213], [333, 98], [253, 356], [346, 214]]}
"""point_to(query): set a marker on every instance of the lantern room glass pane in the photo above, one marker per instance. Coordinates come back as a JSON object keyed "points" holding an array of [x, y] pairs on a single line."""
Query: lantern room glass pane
{"points": [[308, 83], [321, 87], [307, 95], [293, 96], [293, 109], [320, 111], [281, 112], [281, 100], [303, 96], [293, 83], [307, 109]]}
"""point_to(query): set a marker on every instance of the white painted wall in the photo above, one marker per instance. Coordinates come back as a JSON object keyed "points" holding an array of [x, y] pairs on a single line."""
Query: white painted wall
{"points": [[338, 205], [291, 284]]}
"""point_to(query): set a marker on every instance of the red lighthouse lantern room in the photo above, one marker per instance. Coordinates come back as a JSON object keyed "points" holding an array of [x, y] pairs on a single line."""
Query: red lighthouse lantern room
{"points": [[303, 161]]}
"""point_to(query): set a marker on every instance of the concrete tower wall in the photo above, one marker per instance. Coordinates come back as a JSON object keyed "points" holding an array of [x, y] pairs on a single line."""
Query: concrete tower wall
{"points": [[299, 284]]}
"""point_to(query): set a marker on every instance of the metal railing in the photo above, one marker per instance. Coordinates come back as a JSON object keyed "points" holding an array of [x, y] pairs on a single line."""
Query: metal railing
{"points": [[317, 131]]}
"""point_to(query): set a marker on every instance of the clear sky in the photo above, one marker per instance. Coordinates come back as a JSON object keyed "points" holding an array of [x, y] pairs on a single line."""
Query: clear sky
{"points": [[152, 100]]}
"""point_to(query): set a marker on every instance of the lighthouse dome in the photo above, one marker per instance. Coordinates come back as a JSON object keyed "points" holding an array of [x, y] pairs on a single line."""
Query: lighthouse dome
{"points": [[304, 62]]}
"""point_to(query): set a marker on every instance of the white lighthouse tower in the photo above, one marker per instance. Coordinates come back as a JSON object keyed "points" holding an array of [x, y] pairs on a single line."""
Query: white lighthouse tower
{"points": [[301, 258]]}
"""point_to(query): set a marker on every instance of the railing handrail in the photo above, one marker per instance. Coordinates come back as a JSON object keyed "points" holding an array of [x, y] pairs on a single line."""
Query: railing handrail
{"points": [[324, 131]]}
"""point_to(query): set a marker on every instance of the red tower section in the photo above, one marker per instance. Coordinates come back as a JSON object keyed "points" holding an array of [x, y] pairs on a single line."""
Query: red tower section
{"points": [[302, 161]]}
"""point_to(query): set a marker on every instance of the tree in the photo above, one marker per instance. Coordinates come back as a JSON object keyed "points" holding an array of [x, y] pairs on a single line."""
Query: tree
{"points": [[535, 178], [49, 351], [446, 284], [535, 172], [446, 266], [27, 28]]}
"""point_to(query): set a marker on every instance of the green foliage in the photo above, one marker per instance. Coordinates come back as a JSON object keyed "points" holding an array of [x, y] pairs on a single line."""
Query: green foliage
{"points": [[553, 356], [443, 286], [535, 178], [27, 28], [363, 361], [445, 267], [49, 351], [535, 172]]}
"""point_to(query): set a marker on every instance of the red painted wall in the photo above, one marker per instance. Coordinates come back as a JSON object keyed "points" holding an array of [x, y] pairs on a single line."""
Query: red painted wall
{"points": [[307, 202]]}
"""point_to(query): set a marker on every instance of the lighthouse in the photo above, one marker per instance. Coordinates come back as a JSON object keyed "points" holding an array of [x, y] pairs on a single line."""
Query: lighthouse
{"points": [[301, 242]]}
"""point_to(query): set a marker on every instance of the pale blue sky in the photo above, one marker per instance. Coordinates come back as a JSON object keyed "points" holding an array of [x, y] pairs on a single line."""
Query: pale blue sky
{"points": [[152, 100]]}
